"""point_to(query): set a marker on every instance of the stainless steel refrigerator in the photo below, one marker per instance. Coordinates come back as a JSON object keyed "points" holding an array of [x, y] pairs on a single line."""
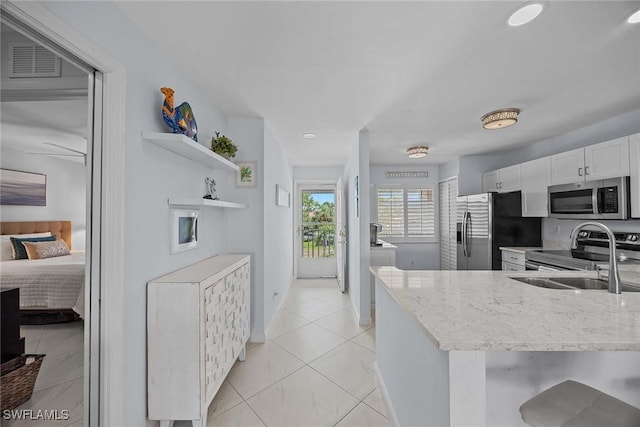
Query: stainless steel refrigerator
{"points": [[488, 221]]}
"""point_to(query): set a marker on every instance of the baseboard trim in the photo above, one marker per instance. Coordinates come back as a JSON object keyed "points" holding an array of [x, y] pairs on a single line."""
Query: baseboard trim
{"points": [[385, 396], [267, 331]]}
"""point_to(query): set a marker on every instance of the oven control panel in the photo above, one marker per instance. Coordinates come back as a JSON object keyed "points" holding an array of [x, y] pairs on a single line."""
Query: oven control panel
{"points": [[597, 238]]}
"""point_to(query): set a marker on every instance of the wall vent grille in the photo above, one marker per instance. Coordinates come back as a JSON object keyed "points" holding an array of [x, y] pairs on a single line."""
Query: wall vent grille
{"points": [[31, 60]]}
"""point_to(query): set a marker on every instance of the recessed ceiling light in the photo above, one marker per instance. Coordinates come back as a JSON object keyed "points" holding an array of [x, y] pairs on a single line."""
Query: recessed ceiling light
{"points": [[500, 118], [525, 14], [417, 151], [634, 18], [309, 135]]}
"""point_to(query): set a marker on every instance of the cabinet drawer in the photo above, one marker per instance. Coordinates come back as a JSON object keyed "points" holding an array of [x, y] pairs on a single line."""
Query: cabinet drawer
{"points": [[507, 266], [513, 257]]}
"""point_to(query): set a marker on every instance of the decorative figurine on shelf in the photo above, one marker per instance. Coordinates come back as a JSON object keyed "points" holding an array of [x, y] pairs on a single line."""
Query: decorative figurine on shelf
{"points": [[211, 189], [179, 119]]}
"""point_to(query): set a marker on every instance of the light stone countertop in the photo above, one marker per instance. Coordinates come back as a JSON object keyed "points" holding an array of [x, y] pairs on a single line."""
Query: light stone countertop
{"points": [[520, 249], [487, 311], [385, 245]]}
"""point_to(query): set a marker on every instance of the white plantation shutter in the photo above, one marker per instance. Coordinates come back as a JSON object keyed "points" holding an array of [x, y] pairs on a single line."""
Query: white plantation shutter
{"points": [[391, 211], [406, 212], [420, 212]]}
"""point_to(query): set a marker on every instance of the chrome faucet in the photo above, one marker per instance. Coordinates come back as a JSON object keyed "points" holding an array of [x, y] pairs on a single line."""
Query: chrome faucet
{"points": [[614, 276]]}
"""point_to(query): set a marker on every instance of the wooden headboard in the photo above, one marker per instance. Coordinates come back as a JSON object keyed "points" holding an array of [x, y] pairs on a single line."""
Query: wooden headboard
{"points": [[60, 229]]}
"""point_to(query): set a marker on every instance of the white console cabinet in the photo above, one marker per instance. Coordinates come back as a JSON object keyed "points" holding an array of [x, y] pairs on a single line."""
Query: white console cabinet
{"points": [[197, 326]]}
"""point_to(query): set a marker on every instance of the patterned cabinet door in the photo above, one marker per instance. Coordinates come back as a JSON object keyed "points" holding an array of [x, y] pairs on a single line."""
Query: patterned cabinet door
{"points": [[212, 338]]}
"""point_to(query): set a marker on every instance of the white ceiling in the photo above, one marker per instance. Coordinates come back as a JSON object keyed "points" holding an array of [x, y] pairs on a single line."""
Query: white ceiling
{"points": [[28, 125], [409, 72]]}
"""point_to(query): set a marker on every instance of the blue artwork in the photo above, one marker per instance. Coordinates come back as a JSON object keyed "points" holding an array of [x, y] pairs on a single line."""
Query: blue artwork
{"points": [[22, 188], [180, 119]]}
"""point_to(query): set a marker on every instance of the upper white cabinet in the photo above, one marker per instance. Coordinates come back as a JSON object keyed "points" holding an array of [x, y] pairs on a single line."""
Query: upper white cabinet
{"points": [[536, 177], [608, 159], [634, 169], [502, 180]]}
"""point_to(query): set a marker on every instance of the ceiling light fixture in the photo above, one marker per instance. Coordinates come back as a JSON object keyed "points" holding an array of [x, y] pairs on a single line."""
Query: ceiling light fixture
{"points": [[417, 151], [525, 14], [634, 18], [500, 118], [309, 135]]}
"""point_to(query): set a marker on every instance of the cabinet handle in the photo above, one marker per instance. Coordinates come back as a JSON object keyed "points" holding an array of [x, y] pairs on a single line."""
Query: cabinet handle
{"points": [[497, 185], [579, 171], [586, 170]]}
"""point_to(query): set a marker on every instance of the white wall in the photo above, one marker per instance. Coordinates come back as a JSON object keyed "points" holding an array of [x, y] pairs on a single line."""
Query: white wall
{"points": [[152, 175], [324, 173], [410, 256], [66, 192], [245, 227], [358, 252], [278, 232]]}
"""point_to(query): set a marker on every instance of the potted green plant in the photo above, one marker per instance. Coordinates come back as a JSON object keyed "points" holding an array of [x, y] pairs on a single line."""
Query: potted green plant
{"points": [[221, 144]]}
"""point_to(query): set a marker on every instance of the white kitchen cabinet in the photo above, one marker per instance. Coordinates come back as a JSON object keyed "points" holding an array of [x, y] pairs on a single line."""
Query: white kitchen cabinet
{"points": [[491, 181], [536, 177], [502, 180], [634, 169], [567, 167], [607, 159], [197, 326]]}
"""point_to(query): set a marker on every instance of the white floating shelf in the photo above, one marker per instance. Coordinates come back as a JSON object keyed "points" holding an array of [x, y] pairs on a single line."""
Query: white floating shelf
{"points": [[175, 201], [186, 147]]}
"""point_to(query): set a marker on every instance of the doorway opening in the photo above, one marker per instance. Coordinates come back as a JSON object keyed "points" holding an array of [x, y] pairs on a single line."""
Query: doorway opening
{"points": [[51, 120], [316, 218]]}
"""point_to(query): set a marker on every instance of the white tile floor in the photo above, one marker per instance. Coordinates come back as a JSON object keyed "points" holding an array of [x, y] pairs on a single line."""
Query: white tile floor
{"points": [[60, 380], [316, 368]]}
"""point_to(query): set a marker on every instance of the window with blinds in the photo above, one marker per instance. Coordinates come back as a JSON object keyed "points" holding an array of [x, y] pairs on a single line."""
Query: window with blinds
{"points": [[406, 212]]}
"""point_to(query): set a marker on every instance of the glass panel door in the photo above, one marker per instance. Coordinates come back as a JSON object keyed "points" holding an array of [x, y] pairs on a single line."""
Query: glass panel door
{"points": [[317, 233]]}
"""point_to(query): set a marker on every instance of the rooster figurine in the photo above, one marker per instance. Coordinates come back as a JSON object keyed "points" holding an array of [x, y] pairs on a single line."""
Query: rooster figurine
{"points": [[179, 119]]}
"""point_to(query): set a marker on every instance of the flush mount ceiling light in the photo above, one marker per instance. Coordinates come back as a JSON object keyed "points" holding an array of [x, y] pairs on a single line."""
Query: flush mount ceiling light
{"points": [[500, 118], [525, 14], [634, 18], [417, 151], [309, 135]]}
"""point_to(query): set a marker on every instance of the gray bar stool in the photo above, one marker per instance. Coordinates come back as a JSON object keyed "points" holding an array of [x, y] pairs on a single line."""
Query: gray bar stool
{"points": [[573, 404]]}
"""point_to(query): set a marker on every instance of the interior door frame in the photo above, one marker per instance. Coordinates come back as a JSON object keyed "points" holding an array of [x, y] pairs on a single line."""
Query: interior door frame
{"points": [[297, 216], [103, 398]]}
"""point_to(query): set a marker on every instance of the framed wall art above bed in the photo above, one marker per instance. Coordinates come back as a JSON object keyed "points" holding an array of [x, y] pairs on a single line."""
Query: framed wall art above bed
{"points": [[20, 188]]}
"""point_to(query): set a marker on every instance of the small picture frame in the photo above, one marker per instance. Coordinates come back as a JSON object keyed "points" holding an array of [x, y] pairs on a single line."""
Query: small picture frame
{"points": [[283, 197], [246, 176], [184, 229]]}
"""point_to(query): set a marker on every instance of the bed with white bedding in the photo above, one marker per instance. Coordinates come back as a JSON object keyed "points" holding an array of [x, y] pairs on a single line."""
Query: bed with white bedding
{"points": [[51, 283], [48, 284]]}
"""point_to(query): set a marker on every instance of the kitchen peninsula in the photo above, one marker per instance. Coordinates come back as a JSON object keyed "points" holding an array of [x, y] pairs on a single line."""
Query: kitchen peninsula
{"points": [[467, 348]]}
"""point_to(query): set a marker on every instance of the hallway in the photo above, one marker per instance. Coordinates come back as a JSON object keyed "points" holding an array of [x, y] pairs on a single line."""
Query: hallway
{"points": [[316, 368]]}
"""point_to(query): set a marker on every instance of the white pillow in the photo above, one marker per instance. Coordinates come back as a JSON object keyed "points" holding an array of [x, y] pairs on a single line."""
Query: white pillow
{"points": [[6, 248]]}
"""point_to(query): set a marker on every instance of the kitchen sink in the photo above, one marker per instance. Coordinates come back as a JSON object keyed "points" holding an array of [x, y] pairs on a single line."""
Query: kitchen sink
{"points": [[572, 283], [541, 282]]}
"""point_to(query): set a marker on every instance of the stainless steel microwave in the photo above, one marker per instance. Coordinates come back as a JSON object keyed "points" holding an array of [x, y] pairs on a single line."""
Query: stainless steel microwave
{"points": [[603, 199]]}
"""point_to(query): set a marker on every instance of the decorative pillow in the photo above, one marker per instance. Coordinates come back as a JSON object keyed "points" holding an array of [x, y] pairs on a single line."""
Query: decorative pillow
{"points": [[6, 247], [19, 252], [40, 250]]}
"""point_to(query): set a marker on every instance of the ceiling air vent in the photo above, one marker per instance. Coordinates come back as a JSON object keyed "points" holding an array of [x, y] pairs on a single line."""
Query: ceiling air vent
{"points": [[30, 60]]}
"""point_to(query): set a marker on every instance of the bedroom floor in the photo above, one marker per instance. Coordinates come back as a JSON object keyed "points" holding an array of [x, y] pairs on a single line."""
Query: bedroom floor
{"points": [[315, 369], [60, 380]]}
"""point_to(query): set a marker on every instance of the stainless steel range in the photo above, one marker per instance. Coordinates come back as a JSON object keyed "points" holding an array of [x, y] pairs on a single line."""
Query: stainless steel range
{"points": [[593, 249]]}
